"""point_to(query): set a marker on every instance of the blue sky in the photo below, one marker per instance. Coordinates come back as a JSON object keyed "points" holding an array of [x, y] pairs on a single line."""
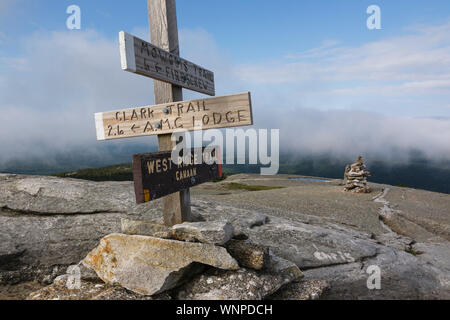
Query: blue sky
{"points": [[247, 29], [314, 69]]}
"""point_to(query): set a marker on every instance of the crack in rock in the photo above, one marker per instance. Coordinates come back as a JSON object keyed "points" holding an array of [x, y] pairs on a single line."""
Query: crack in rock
{"points": [[386, 212]]}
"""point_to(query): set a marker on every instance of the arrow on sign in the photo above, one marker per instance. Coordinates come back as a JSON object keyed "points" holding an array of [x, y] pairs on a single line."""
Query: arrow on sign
{"points": [[134, 127]]}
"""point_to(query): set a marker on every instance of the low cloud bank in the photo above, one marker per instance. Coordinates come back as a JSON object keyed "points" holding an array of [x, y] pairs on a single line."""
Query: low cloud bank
{"points": [[49, 94], [351, 133]]}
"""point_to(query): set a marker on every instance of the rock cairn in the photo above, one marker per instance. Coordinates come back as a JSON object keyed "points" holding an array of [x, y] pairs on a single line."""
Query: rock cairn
{"points": [[191, 261], [355, 178]]}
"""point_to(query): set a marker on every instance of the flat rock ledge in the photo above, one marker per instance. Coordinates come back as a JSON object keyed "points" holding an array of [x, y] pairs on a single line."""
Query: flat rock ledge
{"points": [[48, 224]]}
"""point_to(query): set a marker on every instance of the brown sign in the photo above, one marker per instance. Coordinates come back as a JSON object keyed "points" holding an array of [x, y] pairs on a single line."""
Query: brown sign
{"points": [[141, 57], [203, 114], [157, 175]]}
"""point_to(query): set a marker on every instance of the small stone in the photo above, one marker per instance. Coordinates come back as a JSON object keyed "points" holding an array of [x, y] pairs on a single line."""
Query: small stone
{"points": [[213, 232], [61, 280], [239, 235], [248, 255], [85, 272], [145, 228], [304, 290], [282, 267]]}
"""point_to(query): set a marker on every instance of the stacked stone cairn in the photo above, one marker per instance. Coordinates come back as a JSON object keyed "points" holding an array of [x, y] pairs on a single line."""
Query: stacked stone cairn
{"points": [[191, 261], [355, 178]]}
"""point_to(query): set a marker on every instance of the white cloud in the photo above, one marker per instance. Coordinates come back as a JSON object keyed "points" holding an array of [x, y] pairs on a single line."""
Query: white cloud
{"points": [[406, 67], [200, 47], [351, 133], [49, 94], [381, 96]]}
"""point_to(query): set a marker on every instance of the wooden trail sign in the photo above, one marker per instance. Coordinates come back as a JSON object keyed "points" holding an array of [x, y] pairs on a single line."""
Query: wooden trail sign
{"points": [[157, 175], [141, 57], [161, 61], [211, 113]]}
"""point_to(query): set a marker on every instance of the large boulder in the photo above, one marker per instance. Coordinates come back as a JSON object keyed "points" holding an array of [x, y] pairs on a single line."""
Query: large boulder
{"points": [[49, 195], [47, 223], [149, 266], [42, 247]]}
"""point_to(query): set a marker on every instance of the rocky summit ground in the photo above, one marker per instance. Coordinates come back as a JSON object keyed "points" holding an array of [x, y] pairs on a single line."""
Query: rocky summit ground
{"points": [[334, 237]]}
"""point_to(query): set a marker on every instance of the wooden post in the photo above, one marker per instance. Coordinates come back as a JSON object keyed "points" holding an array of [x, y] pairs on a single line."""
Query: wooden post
{"points": [[164, 34]]}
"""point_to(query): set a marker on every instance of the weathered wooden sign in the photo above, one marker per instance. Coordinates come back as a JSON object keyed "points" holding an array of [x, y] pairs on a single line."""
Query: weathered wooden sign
{"points": [[141, 57], [210, 113], [157, 175]]}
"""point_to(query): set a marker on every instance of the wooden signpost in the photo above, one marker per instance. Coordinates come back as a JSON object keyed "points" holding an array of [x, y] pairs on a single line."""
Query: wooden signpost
{"points": [[155, 176]]}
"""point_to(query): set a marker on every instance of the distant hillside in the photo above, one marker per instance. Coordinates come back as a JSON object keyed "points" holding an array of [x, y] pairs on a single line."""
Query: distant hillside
{"points": [[418, 173], [414, 169], [120, 172]]}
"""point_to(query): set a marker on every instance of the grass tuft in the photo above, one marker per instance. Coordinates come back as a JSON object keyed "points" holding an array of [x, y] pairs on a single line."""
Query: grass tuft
{"points": [[239, 186]]}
